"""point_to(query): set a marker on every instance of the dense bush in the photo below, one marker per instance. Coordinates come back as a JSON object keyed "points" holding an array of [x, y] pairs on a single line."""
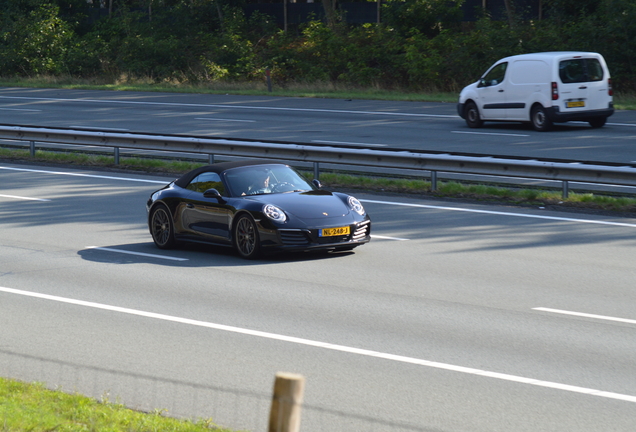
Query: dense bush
{"points": [[421, 44]]}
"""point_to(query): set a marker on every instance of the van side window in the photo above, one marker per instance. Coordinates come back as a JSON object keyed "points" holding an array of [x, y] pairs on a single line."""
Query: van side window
{"points": [[495, 76], [580, 70]]}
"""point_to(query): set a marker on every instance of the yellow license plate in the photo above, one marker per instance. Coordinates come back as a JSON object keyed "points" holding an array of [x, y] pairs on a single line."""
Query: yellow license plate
{"points": [[330, 232], [575, 104]]}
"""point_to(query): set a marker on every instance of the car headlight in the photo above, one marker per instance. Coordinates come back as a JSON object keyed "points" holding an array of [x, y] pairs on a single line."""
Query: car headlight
{"points": [[355, 205], [274, 213]]}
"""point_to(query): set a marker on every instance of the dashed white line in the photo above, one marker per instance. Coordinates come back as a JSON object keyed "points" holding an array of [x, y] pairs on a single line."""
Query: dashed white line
{"points": [[225, 120], [348, 143], [82, 175], [121, 251], [499, 213], [20, 109], [585, 315], [490, 133], [24, 198], [330, 346], [388, 238]]}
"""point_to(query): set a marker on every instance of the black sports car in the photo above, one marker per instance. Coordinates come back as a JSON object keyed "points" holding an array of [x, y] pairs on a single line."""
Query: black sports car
{"points": [[255, 207]]}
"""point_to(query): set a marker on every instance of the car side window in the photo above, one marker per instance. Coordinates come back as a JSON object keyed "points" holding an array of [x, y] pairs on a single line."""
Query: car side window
{"points": [[205, 181], [495, 76]]}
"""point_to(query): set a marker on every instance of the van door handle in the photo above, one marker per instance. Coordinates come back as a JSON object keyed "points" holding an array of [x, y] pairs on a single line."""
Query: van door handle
{"points": [[582, 87], [501, 91]]}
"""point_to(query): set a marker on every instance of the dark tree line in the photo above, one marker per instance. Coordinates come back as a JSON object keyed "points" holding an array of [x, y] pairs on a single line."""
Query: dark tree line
{"points": [[418, 45]]}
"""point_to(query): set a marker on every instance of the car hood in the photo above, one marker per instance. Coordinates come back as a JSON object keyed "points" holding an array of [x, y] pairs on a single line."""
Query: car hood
{"points": [[307, 205]]}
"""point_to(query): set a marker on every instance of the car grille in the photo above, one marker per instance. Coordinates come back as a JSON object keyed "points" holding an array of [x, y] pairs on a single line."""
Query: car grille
{"points": [[361, 231], [293, 238]]}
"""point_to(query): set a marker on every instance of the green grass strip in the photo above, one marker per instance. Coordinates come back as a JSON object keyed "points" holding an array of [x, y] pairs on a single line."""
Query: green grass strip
{"points": [[33, 407]]}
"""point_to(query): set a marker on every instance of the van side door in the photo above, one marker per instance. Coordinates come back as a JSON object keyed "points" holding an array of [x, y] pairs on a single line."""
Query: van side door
{"points": [[491, 93], [529, 82]]}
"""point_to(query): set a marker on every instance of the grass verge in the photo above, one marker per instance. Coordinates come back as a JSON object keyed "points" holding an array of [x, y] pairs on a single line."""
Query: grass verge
{"points": [[623, 205], [33, 407]]}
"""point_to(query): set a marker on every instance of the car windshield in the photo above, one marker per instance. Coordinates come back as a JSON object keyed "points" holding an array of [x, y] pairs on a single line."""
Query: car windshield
{"points": [[265, 179]]}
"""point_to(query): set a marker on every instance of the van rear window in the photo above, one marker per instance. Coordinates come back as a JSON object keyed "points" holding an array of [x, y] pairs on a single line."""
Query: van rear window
{"points": [[580, 70]]}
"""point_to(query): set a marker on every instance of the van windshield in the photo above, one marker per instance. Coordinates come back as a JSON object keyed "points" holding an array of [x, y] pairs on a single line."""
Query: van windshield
{"points": [[580, 70]]}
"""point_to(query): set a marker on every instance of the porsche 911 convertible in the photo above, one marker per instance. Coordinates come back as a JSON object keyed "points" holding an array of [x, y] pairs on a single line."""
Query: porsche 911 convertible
{"points": [[255, 207]]}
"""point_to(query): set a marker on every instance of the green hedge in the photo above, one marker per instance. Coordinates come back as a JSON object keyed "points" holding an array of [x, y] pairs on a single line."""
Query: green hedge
{"points": [[421, 45]]}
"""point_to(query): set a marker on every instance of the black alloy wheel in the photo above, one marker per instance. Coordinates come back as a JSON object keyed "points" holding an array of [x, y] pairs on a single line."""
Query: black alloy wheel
{"points": [[161, 228], [539, 119], [246, 238], [471, 113]]}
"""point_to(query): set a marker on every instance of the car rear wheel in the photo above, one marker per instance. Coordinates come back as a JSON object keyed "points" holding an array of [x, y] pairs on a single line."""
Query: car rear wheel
{"points": [[539, 119], [161, 228], [597, 122], [246, 238], [471, 113]]}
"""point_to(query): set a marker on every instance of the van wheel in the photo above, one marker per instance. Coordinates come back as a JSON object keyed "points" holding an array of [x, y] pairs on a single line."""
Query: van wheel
{"points": [[539, 119], [597, 122], [471, 114]]}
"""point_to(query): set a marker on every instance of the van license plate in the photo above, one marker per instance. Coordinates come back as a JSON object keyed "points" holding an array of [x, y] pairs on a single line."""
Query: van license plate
{"points": [[330, 232], [575, 104]]}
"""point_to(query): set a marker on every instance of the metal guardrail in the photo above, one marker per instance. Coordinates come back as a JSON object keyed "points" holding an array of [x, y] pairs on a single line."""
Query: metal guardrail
{"points": [[564, 172]]}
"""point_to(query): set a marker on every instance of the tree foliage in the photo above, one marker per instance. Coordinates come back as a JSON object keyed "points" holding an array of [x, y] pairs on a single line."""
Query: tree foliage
{"points": [[420, 44]]}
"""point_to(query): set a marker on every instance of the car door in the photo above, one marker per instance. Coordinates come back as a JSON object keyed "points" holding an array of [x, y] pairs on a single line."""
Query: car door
{"points": [[491, 93], [206, 218], [583, 85]]}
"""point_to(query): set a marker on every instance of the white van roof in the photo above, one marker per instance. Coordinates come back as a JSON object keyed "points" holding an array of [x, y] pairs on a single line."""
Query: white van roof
{"points": [[551, 55]]}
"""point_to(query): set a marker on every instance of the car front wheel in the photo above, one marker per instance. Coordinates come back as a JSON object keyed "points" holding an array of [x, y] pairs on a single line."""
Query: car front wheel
{"points": [[246, 238], [471, 113], [161, 228]]}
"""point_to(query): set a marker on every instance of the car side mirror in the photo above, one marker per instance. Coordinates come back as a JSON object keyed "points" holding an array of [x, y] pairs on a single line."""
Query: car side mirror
{"points": [[317, 183], [213, 193]]}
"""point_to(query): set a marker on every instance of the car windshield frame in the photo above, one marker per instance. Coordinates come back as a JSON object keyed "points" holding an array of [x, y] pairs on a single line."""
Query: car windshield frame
{"points": [[240, 181]]}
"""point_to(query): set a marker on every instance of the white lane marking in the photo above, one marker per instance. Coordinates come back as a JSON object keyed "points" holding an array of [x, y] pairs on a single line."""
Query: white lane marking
{"points": [[329, 346], [622, 124], [99, 128], [388, 238], [225, 120], [499, 213], [490, 133], [137, 253], [460, 209], [235, 106], [348, 143], [586, 315], [19, 109], [82, 175], [24, 198]]}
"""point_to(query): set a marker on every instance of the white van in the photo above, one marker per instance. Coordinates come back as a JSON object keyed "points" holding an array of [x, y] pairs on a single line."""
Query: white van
{"points": [[541, 88]]}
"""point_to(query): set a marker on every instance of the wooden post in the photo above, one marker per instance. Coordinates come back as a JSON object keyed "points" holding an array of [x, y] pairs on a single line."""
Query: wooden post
{"points": [[284, 415]]}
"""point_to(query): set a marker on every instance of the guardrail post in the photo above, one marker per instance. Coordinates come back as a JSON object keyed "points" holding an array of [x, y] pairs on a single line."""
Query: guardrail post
{"points": [[32, 148], [116, 155], [284, 415], [211, 159], [433, 181], [566, 189], [316, 170]]}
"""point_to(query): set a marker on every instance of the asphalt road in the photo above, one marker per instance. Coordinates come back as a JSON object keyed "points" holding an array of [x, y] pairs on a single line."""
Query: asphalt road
{"points": [[368, 124], [454, 318]]}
